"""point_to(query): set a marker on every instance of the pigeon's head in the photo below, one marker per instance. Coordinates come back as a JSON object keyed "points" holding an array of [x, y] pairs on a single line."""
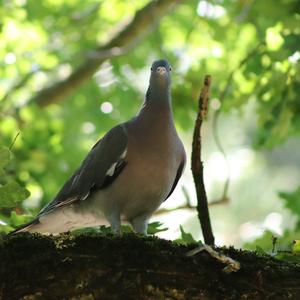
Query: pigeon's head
{"points": [[160, 73]]}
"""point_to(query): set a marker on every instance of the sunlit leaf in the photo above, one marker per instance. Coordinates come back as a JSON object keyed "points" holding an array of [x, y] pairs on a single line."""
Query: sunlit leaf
{"points": [[12, 193], [155, 227], [186, 238], [5, 156], [260, 251], [292, 202], [17, 220], [296, 246]]}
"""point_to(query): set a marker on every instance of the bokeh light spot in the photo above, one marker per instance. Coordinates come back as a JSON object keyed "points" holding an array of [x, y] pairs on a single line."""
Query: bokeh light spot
{"points": [[106, 107]]}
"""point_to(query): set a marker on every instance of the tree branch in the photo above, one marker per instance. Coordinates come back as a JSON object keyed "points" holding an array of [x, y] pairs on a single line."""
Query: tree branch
{"points": [[143, 22], [20, 83], [99, 266], [197, 165]]}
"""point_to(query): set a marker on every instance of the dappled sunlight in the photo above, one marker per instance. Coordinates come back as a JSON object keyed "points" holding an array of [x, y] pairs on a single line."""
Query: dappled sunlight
{"points": [[294, 58], [105, 77], [239, 161], [64, 71], [210, 10], [273, 222], [106, 107], [35, 198], [88, 127], [10, 58], [274, 39]]}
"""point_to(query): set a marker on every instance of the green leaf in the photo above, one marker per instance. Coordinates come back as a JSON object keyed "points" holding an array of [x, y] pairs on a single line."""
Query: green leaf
{"points": [[92, 230], [126, 229], [292, 202], [2, 173], [11, 194], [263, 244], [101, 230], [5, 228], [186, 237], [259, 250], [154, 227], [288, 256], [296, 247], [5, 156], [17, 220]]}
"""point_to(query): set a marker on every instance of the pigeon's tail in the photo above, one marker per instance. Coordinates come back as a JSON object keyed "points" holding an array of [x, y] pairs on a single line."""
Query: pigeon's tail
{"points": [[25, 227]]}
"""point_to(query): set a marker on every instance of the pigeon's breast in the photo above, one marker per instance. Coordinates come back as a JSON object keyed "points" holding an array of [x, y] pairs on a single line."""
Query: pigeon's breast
{"points": [[141, 189], [152, 160], [152, 163]]}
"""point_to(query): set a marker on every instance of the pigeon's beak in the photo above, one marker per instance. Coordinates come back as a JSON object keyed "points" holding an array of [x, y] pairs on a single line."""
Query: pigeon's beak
{"points": [[161, 70]]}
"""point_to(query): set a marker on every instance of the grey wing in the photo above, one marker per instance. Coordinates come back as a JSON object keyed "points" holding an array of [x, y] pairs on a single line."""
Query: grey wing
{"points": [[177, 177], [102, 165]]}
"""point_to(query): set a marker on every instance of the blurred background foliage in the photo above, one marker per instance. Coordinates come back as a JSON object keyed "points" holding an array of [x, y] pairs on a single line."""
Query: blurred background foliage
{"points": [[251, 49]]}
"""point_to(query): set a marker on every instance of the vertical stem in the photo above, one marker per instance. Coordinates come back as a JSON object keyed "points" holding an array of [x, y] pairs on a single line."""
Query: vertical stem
{"points": [[197, 165]]}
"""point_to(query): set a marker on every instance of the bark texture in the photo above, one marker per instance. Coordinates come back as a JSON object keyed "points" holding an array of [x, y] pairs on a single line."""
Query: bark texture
{"points": [[131, 267], [197, 165]]}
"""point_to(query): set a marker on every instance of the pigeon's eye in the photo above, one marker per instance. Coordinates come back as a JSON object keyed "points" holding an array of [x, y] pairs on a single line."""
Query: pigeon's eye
{"points": [[170, 69], [151, 69]]}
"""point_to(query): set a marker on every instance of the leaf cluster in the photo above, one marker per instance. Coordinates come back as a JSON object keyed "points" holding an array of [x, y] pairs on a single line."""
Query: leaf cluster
{"points": [[12, 193], [287, 246]]}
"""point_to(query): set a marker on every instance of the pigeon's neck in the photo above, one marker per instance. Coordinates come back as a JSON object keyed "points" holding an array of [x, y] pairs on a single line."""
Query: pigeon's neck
{"points": [[155, 116], [157, 99]]}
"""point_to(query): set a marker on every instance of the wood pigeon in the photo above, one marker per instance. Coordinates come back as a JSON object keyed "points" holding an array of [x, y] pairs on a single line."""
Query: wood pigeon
{"points": [[128, 173]]}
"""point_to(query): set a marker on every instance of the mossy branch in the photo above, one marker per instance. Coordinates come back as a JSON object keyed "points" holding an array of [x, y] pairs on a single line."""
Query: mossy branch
{"points": [[96, 266]]}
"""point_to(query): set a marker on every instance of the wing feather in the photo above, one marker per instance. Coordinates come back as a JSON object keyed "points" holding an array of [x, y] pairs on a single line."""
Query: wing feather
{"points": [[178, 175], [93, 172]]}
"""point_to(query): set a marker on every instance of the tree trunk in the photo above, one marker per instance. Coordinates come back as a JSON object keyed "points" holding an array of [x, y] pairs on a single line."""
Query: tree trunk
{"points": [[91, 266]]}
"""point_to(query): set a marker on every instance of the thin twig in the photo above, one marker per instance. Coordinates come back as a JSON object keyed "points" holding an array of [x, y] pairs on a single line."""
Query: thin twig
{"points": [[14, 140], [166, 210], [189, 206], [231, 264], [197, 165]]}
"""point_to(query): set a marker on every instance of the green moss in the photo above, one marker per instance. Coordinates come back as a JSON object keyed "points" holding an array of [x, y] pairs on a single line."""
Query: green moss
{"points": [[108, 266]]}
